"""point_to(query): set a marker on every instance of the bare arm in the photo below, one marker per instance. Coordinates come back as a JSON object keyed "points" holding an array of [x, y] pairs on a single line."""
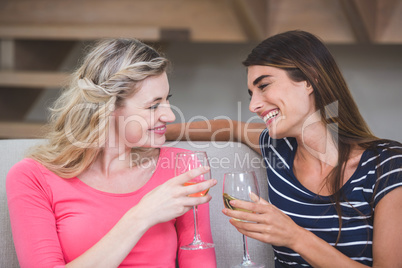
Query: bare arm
{"points": [[388, 230], [35, 231], [217, 130], [165, 202]]}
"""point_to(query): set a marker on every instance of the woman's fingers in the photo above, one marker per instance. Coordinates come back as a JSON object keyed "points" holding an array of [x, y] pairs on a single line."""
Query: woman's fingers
{"points": [[259, 207], [263, 201], [258, 214], [254, 234], [192, 174], [199, 187], [172, 199], [267, 224], [255, 198], [195, 201], [241, 215]]}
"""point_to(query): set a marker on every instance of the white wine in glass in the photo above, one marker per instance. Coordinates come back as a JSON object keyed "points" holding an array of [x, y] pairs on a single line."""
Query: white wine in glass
{"points": [[186, 161], [241, 185]]}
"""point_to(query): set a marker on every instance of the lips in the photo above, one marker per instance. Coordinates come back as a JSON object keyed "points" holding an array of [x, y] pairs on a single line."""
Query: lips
{"points": [[268, 116], [161, 130]]}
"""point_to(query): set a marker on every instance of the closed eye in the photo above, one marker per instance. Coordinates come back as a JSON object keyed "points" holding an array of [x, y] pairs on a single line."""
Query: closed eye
{"points": [[156, 105]]}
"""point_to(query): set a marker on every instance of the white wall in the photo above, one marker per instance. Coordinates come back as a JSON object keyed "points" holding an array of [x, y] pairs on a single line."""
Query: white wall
{"points": [[374, 76], [208, 81]]}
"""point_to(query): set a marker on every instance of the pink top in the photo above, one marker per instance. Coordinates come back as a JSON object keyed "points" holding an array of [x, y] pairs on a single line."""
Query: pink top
{"points": [[55, 220]]}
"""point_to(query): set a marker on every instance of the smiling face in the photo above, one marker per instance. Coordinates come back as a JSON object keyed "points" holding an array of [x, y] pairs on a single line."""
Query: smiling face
{"points": [[282, 103], [141, 122]]}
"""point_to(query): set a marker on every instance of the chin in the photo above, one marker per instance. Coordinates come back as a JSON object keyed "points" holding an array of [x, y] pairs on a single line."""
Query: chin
{"points": [[156, 146], [148, 142], [274, 133], [279, 130], [277, 134], [156, 143]]}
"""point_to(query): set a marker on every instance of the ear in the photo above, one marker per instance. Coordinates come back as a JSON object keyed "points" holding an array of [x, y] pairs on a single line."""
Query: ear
{"points": [[309, 88]]}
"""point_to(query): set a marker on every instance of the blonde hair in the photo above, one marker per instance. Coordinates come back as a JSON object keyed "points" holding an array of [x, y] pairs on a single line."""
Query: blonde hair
{"points": [[109, 74]]}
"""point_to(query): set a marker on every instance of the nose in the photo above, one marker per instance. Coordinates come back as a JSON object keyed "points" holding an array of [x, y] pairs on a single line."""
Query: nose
{"points": [[167, 114], [255, 103]]}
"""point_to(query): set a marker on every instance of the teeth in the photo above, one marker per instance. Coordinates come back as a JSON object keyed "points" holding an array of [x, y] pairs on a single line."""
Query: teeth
{"points": [[270, 115]]}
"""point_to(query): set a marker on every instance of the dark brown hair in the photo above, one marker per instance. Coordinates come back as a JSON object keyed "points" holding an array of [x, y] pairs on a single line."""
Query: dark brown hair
{"points": [[305, 58]]}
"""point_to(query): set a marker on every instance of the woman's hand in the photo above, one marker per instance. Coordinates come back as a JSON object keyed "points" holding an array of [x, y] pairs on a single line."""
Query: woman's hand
{"points": [[171, 199], [165, 202], [268, 224]]}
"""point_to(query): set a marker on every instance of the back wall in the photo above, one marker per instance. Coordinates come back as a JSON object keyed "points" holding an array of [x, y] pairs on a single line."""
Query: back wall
{"points": [[208, 81]]}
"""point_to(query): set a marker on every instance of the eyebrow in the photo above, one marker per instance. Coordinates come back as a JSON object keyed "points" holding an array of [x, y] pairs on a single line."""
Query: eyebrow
{"points": [[159, 98], [258, 79]]}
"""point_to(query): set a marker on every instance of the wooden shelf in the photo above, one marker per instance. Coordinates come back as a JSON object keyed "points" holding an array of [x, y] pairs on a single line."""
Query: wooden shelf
{"points": [[78, 32], [33, 79], [336, 21], [17, 130]]}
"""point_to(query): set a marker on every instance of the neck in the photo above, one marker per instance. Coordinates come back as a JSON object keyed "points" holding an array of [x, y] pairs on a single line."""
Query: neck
{"points": [[114, 159], [316, 144]]}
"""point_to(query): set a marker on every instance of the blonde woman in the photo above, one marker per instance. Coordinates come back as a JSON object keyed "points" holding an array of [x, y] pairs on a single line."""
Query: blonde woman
{"points": [[96, 194]]}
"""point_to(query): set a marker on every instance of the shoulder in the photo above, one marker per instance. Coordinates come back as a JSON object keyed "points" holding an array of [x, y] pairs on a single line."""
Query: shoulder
{"points": [[384, 161], [390, 160], [26, 167], [384, 155], [27, 174]]}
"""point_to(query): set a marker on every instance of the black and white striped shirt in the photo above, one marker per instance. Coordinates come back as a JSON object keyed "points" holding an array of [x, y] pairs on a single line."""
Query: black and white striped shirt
{"points": [[316, 213]]}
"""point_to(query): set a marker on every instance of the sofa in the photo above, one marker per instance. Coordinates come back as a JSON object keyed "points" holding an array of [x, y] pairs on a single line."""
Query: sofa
{"points": [[224, 157]]}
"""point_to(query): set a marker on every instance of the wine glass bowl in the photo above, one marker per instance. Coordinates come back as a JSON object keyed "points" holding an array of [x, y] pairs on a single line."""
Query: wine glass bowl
{"points": [[242, 186]]}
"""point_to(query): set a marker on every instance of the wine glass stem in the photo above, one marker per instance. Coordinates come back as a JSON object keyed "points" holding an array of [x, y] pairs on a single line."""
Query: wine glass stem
{"points": [[197, 237], [246, 256]]}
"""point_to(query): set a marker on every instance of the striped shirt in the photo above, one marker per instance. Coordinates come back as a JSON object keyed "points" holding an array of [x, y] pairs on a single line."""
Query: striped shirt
{"points": [[317, 213]]}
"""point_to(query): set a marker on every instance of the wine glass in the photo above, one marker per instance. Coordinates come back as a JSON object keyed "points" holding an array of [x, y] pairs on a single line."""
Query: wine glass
{"points": [[241, 185], [186, 161]]}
